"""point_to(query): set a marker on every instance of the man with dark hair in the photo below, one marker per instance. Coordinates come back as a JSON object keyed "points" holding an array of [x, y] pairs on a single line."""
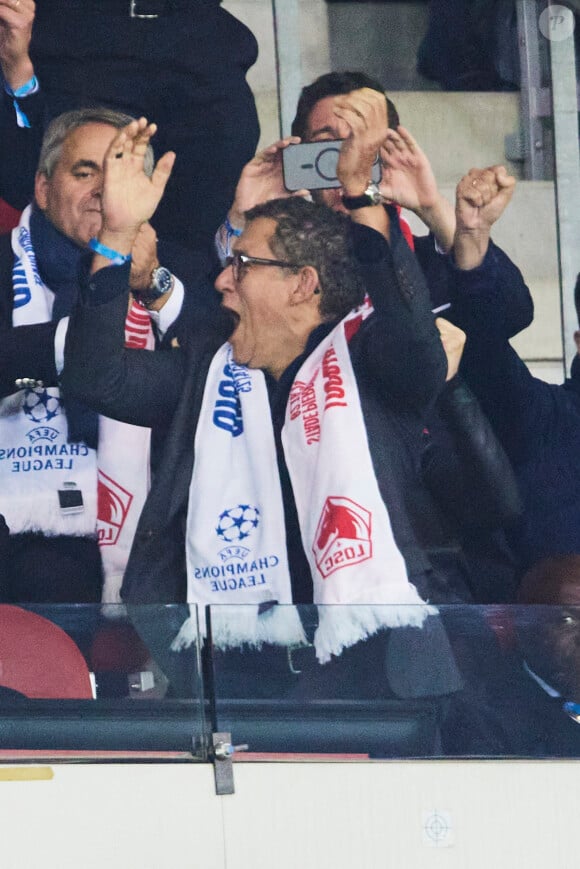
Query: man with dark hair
{"points": [[56, 456], [458, 457], [335, 106], [285, 475], [333, 84], [407, 178]]}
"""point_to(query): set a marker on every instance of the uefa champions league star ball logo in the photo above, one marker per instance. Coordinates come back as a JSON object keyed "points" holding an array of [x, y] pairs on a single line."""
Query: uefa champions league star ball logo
{"points": [[40, 406], [237, 523]]}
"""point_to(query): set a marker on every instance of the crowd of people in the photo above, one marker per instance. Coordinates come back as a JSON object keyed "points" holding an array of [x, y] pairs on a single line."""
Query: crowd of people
{"points": [[296, 402]]}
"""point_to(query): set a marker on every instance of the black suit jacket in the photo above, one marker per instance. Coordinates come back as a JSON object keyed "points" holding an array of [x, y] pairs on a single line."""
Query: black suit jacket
{"points": [[28, 351]]}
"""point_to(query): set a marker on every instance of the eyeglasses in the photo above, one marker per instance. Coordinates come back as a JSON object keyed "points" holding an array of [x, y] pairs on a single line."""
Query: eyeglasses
{"points": [[239, 261]]}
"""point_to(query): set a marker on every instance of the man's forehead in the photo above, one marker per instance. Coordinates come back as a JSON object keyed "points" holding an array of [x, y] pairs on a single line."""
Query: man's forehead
{"points": [[93, 137], [257, 233]]}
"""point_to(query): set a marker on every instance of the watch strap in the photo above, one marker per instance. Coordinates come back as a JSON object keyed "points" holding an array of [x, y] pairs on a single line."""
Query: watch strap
{"points": [[371, 196]]}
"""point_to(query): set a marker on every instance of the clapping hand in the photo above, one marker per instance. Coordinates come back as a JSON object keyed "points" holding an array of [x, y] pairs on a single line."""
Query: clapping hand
{"points": [[130, 196]]}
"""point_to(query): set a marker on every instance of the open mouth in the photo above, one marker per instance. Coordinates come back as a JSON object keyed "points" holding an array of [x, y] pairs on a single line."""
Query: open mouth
{"points": [[231, 318], [230, 311]]}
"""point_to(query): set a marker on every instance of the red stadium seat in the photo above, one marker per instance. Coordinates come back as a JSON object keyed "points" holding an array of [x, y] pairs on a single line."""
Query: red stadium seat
{"points": [[38, 659]]}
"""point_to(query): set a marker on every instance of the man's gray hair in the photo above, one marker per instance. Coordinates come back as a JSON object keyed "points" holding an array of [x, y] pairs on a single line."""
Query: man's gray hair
{"points": [[311, 234], [61, 126]]}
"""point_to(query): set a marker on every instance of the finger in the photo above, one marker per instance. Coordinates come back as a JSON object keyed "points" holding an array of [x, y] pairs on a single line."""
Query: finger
{"points": [[123, 140], [143, 138], [468, 193], [503, 178], [352, 116], [135, 129], [163, 169], [289, 140], [141, 129], [477, 186], [394, 142], [272, 152], [117, 146], [391, 156], [10, 8], [408, 139], [302, 194], [367, 105]]}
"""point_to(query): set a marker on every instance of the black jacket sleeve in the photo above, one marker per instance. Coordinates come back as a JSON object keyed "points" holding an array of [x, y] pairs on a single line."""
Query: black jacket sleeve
{"points": [[20, 148], [497, 286], [135, 386], [402, 344], [496, 289]]}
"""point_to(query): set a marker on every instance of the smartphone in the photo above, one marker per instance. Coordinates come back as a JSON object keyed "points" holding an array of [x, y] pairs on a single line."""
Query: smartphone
{"points": [[312, 165]]}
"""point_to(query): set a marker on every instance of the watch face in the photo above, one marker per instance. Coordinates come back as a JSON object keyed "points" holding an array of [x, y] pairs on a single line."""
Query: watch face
{"points": [[161, 280], [374, 193]]}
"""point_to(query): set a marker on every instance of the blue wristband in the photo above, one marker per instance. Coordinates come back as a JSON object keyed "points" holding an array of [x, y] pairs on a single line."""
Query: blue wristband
{"points": [[118, 259], [573, 710], [30, 87]]}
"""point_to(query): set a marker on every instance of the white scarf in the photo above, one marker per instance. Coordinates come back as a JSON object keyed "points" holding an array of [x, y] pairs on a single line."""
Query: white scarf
{"points": [[236, 549], [36, 461]]}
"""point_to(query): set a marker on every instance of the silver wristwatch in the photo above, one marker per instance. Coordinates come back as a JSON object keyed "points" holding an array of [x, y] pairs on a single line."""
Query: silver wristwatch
{"points": [[161, 283]]}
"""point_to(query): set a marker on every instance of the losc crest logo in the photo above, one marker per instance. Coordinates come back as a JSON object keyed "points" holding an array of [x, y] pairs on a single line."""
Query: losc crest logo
{"points": [[113, 504], [343, 535]]}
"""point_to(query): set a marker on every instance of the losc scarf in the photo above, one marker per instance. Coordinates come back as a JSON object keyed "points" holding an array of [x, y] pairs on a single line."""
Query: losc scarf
{"points": [[37, 461], [236, 549]]}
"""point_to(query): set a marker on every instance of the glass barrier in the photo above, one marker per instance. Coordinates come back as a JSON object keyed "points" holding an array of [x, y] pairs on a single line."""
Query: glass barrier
{"points": [[460, 681], [87, 678], [471, 681]]}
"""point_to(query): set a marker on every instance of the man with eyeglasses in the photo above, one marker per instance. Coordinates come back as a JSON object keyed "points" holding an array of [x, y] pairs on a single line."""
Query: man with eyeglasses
{"points": [[285, 476], [464, 537]]}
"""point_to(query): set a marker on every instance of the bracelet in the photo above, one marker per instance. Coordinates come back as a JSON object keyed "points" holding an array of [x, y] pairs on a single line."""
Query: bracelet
{"points": [[118, 259], [29, 87]]}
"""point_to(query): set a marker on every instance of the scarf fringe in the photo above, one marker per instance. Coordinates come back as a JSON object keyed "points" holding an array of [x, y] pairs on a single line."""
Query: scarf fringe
{"points": [[245, 626], [41, 516], [186, 636], [343, 626], [236, 627]]}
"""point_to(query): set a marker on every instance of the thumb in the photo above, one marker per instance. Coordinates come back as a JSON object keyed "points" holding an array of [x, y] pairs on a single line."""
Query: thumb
{"points": [[162, 170]]}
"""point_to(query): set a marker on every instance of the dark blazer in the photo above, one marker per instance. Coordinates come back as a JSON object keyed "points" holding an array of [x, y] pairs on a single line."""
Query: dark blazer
{"points": [[397, 380], [28, 351], [538, 425]]}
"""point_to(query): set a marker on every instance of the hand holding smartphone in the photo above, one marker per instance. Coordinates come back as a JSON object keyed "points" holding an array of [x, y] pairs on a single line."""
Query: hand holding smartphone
{"points": [[312, 165]]}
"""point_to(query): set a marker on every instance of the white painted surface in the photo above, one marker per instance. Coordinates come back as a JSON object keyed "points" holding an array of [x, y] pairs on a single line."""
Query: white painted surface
{"points": [[370, 815]]}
